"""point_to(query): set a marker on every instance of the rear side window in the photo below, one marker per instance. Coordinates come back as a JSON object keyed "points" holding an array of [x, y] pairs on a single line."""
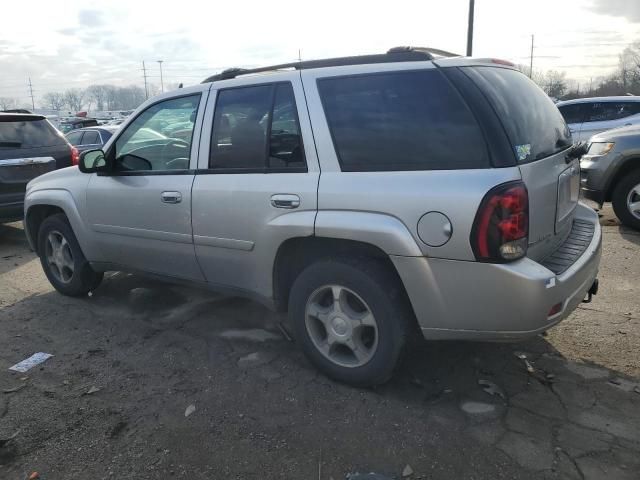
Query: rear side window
{"points": [[534, 125], [29, 134], [574, 113], [91, 137], [401, 121], [607, 111], [74, 138], [257, 129]]}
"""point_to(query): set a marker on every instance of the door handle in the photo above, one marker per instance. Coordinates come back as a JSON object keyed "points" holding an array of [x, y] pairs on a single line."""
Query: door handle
{"points": [[284, 200], [171, 197]]}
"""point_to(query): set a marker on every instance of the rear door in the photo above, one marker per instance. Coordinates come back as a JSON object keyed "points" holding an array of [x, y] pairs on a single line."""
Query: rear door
{"points": [[540, 138], [603, 116], [91, 140], [257, 181]]}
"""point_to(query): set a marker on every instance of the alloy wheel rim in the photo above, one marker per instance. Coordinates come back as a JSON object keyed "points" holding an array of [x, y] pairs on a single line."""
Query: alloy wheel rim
{"points": [[341, 326], [59, 257], [633, 201]]}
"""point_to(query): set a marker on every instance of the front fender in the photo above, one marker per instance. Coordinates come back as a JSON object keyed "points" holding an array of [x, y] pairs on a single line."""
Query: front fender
{"points": [[63, 199], [383, 231]]}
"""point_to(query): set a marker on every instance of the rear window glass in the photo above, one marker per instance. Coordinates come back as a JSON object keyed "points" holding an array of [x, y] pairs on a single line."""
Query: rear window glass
{"points": [[534, 125], [29, 134], [401, 121]]}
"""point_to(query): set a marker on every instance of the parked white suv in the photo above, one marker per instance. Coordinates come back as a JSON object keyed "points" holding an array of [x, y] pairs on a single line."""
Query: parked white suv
{"points": [[589, 116], [365, 195]]}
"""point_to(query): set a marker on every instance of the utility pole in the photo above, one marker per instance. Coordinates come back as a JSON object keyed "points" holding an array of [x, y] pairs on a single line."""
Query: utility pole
{"points": [[161, 80], [531, 59], [144, 74], [33, 103], [470, 28]]}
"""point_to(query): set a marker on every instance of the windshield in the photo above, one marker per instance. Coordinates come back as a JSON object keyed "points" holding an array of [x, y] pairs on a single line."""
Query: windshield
{"points": [[533, 123]]}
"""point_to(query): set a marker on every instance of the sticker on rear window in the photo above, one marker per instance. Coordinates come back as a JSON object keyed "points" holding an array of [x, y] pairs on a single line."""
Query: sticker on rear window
{"points": [[523, 151]]}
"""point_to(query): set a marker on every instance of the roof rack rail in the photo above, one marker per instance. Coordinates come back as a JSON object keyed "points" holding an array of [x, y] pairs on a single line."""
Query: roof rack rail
{"points": [[396, 54]]}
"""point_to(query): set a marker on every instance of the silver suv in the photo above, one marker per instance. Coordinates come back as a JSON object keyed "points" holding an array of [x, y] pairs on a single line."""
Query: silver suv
{"points": [[365, 195]]}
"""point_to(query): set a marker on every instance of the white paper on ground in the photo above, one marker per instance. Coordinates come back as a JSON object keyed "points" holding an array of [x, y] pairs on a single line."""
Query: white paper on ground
{"points": [[32, 361]]}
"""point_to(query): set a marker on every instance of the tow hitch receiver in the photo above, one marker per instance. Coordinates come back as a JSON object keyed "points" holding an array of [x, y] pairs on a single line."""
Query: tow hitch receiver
{"points": [[592, 291]]}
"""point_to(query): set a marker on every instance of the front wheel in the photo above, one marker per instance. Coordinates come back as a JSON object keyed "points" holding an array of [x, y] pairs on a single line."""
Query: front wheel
{"points": [[626, 200], [351, 319], [62, 260]]}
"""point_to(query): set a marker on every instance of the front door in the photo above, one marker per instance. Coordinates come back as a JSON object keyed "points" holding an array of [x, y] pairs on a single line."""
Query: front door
{"points": [[257, 182], [141, 209]]}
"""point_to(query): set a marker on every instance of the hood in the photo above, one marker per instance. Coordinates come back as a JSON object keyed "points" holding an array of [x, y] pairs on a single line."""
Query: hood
{"points": [[617, 133]]}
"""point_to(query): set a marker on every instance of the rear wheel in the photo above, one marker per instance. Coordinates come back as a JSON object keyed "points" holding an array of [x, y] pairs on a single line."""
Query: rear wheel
{"points": [[62, 259], [626, 200], [351, 319]]}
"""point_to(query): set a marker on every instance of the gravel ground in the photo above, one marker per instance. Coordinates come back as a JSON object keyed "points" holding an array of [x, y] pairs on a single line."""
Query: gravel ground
{"points": [[131, 361]]}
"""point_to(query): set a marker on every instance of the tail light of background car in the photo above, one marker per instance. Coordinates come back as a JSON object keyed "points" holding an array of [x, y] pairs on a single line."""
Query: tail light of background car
{"points": [[75, 156], [500, 231]]}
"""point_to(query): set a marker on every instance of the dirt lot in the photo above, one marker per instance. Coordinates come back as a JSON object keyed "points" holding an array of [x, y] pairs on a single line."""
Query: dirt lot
{"points": [[564, 406]]}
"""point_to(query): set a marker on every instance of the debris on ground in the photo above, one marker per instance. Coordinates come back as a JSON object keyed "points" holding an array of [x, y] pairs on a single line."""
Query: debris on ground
{"points": [[4, 441], [92, 390], [491, 388], [190, 409], [32, 361], [284, 332], [14, 389], [407, 472], [33, 476]]}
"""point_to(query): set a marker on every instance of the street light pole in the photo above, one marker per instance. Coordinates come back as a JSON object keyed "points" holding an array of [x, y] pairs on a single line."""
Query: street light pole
{"points": [[470, 28], [161, 80]]}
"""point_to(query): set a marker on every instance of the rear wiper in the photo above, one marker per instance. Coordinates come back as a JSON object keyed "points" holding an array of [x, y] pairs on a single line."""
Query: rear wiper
{"points": [[576, 151], [10, 144]]}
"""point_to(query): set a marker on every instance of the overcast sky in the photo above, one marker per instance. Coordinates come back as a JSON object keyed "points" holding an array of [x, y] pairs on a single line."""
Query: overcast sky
{"points": [[79, 42]]}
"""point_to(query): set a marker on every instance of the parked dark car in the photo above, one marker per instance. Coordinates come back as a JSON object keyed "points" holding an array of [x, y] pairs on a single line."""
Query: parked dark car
{"points": [[90, 138], [611, 172], [29, 147], [74, 124]]}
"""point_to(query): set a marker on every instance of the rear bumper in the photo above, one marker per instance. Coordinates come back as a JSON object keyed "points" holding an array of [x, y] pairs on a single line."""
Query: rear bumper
{"points": [[498, 302], [594, 195]]}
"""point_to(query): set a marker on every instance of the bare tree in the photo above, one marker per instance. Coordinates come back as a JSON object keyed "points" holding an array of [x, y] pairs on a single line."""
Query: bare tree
{"points": [[54, 100], [7, 103], [98, 93], [555, 83], [74, 98]]}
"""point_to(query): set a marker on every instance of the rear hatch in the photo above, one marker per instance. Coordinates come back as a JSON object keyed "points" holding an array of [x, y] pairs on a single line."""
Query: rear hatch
{"points": [[540, 140], [29, 147]]}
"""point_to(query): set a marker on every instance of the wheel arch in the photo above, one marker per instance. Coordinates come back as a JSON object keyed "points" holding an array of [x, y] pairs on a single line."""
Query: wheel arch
{"points": [[627, 166]]}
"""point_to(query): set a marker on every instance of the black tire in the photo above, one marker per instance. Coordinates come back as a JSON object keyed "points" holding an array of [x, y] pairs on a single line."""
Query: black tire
{"points": [[384, 296], [619, 199], [83, 278]]}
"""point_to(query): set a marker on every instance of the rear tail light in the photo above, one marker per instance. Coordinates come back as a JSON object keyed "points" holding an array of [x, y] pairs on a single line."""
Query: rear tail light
{"points": [[500, 231], [75, 156]]}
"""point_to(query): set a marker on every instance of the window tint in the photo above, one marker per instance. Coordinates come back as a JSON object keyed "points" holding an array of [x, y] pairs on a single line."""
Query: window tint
{"points": [[573, 113], [91, 137], [29, 134], [74, 138], [401, 121], [606, 111], [534, 125], [159, 138], [285, 147], [245, 117]]}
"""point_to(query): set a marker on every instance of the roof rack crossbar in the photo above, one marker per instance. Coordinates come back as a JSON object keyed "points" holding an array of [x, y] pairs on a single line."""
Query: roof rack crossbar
{"points": [[396, 54]]}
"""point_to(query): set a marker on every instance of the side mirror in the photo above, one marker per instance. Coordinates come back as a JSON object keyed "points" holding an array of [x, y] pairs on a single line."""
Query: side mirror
{"points": [[92, 161]]}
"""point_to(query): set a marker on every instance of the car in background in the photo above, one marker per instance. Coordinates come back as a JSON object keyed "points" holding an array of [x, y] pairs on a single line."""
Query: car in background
{"points": [[90, 138], [589, 116], [29, 147], [611, 172], [75, 123]]}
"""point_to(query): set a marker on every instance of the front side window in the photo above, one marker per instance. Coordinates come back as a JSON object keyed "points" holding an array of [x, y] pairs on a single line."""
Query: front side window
{"points": [[159, 138], [256, 128], [401, 121]]}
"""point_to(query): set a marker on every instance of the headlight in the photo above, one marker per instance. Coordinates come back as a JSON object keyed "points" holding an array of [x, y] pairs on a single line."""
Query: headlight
{"points": [[598, 149]]}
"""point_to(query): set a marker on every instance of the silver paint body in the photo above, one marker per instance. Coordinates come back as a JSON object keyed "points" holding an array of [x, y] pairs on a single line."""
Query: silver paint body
{"points": [[226, 231]]}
